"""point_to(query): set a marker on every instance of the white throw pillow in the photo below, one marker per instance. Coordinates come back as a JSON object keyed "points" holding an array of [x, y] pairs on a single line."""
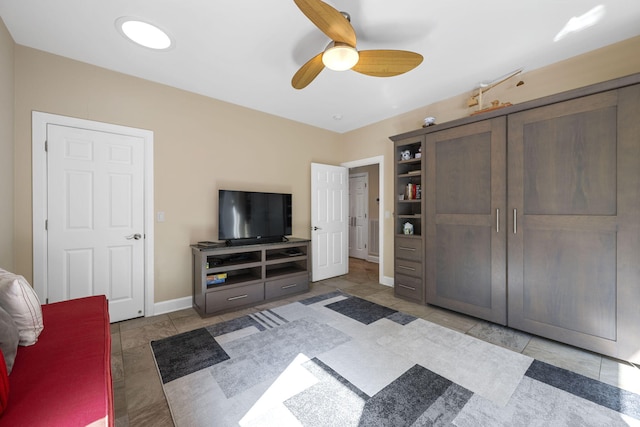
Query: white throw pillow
{"points": [[19, 299], [9, 338]]}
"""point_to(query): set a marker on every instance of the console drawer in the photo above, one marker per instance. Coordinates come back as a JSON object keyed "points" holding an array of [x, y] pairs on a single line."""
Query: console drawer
{"points": [[409, 287], [408, 248], [225, 299], [286, 286]]}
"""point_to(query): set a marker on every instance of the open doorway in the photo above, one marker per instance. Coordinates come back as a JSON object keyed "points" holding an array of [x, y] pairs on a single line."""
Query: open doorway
{"points": [[367, 216]]}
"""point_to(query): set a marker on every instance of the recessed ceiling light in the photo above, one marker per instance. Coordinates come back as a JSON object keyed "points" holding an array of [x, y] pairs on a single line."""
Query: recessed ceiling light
{"points": [[143, 33]]}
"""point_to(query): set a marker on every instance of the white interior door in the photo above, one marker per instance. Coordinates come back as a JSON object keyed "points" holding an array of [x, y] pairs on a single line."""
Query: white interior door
{"points": [[358, 213], [329, 222], [95, 218]]}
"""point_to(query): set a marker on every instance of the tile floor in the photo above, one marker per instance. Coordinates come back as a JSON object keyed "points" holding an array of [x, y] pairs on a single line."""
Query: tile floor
{"points": [[140, 401]]}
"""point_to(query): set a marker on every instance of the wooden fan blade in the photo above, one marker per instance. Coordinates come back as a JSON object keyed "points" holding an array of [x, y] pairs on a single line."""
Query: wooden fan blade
{"points": [[386, 63], [308, 72], [329, 20]]}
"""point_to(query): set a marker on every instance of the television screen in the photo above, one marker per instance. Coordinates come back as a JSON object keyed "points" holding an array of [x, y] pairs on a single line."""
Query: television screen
{"points": [[253, 215]]}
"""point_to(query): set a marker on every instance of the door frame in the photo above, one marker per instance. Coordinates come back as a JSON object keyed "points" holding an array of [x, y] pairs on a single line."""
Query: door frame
{"points": [[377, 160], [39, 122]]}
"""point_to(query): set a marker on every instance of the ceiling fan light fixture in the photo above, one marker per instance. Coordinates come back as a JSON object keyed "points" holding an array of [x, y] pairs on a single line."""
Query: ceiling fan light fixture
{"points": [[340, 56], [144, 34]]}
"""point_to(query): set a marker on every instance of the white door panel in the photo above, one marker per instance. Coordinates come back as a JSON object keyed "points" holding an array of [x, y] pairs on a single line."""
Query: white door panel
{"points": [[329, 222], [358, 216], [95, 205]]}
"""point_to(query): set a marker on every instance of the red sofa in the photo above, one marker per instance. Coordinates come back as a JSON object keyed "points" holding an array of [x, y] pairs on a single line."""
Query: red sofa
{"points": [[64, 379]]}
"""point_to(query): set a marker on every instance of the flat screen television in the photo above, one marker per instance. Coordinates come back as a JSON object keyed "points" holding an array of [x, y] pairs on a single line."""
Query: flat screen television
{"points": [[246, 217]]}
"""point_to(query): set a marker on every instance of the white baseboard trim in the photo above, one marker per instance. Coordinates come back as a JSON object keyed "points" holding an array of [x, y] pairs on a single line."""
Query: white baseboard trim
{"points": [[374, 259], [387, 281], [164, 307]]}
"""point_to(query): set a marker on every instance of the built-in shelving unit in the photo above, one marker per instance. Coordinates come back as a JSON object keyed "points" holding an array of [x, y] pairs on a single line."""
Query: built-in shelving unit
{"points": [[408, 221]]}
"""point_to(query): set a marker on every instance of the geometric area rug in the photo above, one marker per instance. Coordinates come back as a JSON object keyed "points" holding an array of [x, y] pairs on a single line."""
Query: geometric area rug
{"points": [[339, 360]]}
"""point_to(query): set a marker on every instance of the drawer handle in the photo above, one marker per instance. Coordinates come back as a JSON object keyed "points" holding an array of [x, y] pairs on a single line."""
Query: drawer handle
{"points": [[404, 248], [289, 286], [404, 267], [238, 297], [411, 288]]}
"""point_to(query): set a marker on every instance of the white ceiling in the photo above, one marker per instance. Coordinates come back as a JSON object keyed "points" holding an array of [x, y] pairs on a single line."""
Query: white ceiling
{"points": [[246, 51]]}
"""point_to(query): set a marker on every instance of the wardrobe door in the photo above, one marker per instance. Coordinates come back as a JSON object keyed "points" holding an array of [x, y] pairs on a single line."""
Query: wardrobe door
{"points": [[465, 216], [570, 199]]}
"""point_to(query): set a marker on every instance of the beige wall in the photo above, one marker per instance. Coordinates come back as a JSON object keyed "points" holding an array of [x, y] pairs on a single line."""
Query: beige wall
{"points": [[613, 61], [203, 144], [6, 149]]}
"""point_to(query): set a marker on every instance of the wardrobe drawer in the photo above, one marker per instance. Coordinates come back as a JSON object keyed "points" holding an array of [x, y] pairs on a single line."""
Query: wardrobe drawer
{"points": [[408, 287], [408, 248], [410, 268]]}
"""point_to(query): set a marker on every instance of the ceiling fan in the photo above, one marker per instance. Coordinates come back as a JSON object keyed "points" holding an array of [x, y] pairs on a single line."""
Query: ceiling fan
{"points": [[341, 54]]}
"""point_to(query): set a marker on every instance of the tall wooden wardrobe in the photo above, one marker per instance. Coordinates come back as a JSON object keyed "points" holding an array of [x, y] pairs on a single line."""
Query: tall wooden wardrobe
{"points": [[531, 217]]}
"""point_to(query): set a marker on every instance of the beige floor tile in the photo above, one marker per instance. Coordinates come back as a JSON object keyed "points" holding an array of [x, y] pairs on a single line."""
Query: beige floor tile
{"points": [[564, 356], [119, 399], [142, 321], [156, 415], [117, 366], [138, 359], [116, 344], [182, 313], [143, 388], [452, 320], [620, 374], [189, 323], [144, 334], [115, 328]]}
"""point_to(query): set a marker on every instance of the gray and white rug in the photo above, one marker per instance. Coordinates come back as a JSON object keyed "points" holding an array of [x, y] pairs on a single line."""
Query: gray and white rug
{"points": [[338, 360]]}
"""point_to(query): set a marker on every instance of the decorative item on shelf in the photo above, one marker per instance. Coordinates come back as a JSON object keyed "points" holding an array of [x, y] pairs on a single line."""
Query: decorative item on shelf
{"points": [[400, 196], [407, 228], [495, 105], [419, 153], [429, 121], [476, 99], [405, 155], [410, 193], [215, 279], [418, 191]]}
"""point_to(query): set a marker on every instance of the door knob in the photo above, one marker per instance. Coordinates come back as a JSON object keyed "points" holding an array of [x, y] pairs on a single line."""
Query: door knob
{"points": [[314, 228], [136, 236]]}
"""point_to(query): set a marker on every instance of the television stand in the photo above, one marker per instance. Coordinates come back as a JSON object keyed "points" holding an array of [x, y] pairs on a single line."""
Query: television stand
{"points": [[227, 278]]}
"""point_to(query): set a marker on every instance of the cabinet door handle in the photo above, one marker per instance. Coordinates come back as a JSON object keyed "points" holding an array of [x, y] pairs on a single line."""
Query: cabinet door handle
{"points": [[515, 221], [289, 286], [411, 288], [407, 249], [238, 297], [497, 220], [404, 267]]}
